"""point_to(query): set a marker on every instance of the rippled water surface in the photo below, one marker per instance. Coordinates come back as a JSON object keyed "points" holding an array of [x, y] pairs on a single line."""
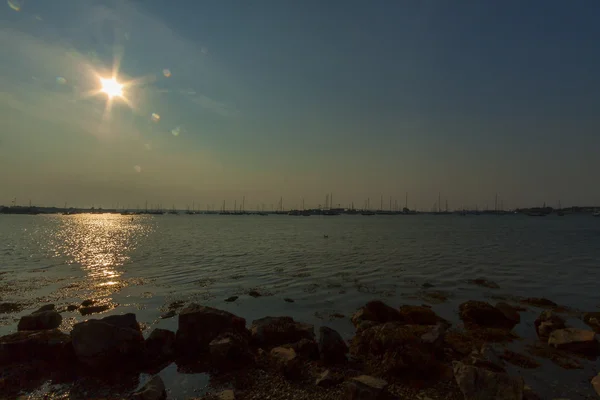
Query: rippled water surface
{"points": [[142, 264]]}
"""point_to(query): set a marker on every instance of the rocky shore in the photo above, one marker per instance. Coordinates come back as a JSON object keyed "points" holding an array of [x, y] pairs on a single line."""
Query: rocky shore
{"points": [[407, 352]]}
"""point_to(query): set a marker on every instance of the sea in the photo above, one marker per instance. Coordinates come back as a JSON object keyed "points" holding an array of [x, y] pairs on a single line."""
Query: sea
{"points": [[317, 269]]}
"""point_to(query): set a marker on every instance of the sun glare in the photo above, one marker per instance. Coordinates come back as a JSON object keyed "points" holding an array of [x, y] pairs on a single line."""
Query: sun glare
{"points": [[111, 87]]}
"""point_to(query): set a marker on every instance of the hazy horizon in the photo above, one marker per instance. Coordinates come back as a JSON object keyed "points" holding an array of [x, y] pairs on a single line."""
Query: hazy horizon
{"points": [[273, 99]]}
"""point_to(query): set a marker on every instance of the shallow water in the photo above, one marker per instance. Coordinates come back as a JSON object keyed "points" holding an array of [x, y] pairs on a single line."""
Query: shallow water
{"points": [[145, 263]]}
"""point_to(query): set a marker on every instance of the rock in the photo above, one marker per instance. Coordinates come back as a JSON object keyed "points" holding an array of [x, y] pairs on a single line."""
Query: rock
{"points": [[287, 299], [575, 340], [95, 309], [520, 360], [254, 293], [596, 384], [7, 308], [168, 314], [427, 285], [419, 315], [40, 320], [326, 380], [47, 307], [285, 361], [592, 319], [72, 307], [486, 358], [160, 346], [231, 299], [539, 302], [108, 341], [365, 387], [547, 323], [377, 312], [509, 312], [435, 336], [226, 395], [229, 349], [50, 345], [484, 283], [482, 384], [307, 349], [481, 314], [199, 325], [87, 303], [332, 347], [153, 390], [275, 331], [176, 305]]}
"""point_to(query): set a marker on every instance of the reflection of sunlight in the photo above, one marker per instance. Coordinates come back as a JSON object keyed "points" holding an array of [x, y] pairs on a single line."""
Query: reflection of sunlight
{"points": [[111, 87]]}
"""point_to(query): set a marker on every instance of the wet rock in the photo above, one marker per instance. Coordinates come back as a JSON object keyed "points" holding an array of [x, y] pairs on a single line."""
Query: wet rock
{"points": [[427, 285], [307, 349], [168, 314], [288, 300], [547, 323], [50, 345], [575, 340], [394, 348], [419, 315], [175, 305], [592, 319], [231, 299], [482, 384], [160, 346], [108, 341], [285, 361], [558, 357], [365, 387], [229, 349], [435, 336], [95, 309], [254, 293], [485, 357], [332, 347], [87, 303], [226, 395], [199, 325], [377, 312], [72, 307], [274, 331], [326, 379], [481, 314], [520, 360], [484, 283], [596, 384], [153, 390], [40, 320], [510, 312], [7, 308], [47, 307], [539, 302]]}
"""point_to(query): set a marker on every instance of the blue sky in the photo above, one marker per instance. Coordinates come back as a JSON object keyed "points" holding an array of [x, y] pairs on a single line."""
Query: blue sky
{"points": [[298, 99]]}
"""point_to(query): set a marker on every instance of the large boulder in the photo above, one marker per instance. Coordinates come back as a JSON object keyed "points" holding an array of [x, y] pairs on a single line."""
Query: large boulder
{"points": [[114, 340], [365, 387], [49, 345], [592, 319], [285, 361], [482, 384], [332, 347], [479, 314], [160, 346], [199, 325], [547, 323], [376, 312], [575, 340], [275, 331], [40, 320], [153, 390], [509, 312], [486, 357], [229, 349]]}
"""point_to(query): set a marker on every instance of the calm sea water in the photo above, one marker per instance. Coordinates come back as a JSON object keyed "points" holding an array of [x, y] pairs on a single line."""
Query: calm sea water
{"points": [[145, 263]]}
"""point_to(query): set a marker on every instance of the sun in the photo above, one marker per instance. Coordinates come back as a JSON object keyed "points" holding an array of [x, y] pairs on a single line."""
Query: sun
{"points": [[111, 87]]}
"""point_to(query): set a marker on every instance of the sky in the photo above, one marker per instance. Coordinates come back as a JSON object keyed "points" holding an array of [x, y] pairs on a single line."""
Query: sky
{"points": [[224, 100]]}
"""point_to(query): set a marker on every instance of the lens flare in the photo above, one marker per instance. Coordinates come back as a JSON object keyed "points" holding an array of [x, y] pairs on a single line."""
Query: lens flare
{"points": [[111, 87]]}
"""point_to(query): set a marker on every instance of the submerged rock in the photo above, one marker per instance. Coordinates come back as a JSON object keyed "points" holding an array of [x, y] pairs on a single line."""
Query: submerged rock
{"points": [[275, 331], [7, 308], [168, 314], [49, 345], [482, 384], [160, 346], [539, 302], [365, 387], [376, 312], [484, 283], [231, 299], [481, 314], [40, 320], [254, 293], [153, 390], [592, 319], [95, 309], [332, 347], [547, 323], [575, 340], [199, 325], [288, 300], [108, 341]]}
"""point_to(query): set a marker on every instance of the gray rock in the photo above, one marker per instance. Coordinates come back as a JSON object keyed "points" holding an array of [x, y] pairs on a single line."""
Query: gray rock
{"points": [[365, 387], [40, 320], [482, 384], [547, 323], [275, 331], [199, 325], [108, 341], [160, 345], [575, 340], [50, 345], [332, 347], [153, 390]]}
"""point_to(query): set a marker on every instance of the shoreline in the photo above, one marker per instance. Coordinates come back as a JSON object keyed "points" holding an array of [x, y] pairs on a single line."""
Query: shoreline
{"points": [[416, 335]]}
